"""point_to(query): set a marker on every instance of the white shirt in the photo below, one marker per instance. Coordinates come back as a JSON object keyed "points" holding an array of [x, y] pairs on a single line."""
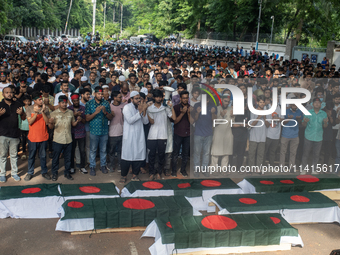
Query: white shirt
{"points": [[258, 133], [56, 102], [158, 130], [4, 85], [134, 146], [337, 115], [274, 131]]}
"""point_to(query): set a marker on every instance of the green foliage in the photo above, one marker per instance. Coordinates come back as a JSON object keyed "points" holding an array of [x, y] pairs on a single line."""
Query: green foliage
{"points": [[312, 22]]}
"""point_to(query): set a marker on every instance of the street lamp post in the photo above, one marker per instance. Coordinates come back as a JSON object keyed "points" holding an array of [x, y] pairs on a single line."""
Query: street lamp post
{"points": [[258, 26], [271, 34], [94, 16], [104, 18], [121, 19]]}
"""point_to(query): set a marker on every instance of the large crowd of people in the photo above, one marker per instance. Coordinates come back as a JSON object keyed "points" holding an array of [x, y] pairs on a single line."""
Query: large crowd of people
{"points": [[108, 103]]}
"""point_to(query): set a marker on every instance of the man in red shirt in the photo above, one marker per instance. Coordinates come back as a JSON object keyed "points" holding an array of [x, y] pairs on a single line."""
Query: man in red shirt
{"points": [[37, 116]]}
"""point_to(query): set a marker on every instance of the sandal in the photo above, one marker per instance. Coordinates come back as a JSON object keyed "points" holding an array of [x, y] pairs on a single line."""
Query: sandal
{"points": [[122, 180], [135, 178]]}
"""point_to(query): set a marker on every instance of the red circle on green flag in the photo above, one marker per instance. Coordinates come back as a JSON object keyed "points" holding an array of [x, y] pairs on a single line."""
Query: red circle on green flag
{"points": [[184, 185], [75, 204], [153, 185], [308, 178], [218, 222], [138, 204], [168, 224], [301, 199], [31, 190], [248, 201], [267, 182], [89, 189], [275, 220], [211, 183], [287, 181]]}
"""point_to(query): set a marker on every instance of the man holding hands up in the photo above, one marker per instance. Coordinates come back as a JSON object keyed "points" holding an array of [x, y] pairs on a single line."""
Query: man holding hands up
{"points": [[62, 120], [9, 132], [314, 123], [98, 113]]}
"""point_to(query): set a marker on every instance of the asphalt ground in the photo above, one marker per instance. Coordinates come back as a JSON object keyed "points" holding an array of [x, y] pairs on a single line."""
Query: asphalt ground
{"points": [[38, 236]]}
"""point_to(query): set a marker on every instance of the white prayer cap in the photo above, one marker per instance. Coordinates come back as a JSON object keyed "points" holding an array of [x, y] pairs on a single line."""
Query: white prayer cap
{"points": [[52, 79], [83, 78], [134, 93], [105, 86], [121, 78], [144, 90]]}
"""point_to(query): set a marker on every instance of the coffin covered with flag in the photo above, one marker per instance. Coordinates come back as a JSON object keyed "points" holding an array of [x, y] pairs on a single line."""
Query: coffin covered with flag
{"points": [[296, 184], [91, 214], [295, 207], [93, 190], [197, 191], [33, 201], [221, 234]]}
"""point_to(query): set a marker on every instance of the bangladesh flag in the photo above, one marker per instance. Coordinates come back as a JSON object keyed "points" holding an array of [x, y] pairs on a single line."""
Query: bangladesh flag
{"points": [[125, 212], [38, 190], [297, 184], [94, 190], [184, 187], [232, 230], [272, 201], [33, 201]]}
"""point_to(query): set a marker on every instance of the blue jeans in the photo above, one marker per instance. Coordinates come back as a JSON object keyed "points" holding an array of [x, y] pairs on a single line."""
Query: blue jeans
{"points": [[96, 140], [67, 151], [337, 145], [32, 150], [202, 145]]}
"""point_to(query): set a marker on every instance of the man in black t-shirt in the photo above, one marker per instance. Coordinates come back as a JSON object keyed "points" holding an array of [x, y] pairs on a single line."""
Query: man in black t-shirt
{"points": [[9, 133], [181, 133], [240, 133]]}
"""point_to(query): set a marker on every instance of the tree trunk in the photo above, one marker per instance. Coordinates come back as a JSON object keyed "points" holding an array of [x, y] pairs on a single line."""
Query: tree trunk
{"points": [[290, 28], [299, 31]]}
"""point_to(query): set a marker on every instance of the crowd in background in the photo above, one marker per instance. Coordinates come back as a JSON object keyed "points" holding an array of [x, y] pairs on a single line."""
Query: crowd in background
{"points": [[83, 103]]}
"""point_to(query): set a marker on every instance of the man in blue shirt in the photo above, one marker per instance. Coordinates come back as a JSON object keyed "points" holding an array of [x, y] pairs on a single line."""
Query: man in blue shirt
{"points": [[98, 112], [203, 134], [290, 134], [314, 132]]}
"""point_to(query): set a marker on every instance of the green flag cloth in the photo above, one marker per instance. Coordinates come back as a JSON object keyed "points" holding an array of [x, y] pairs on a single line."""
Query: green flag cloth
{"points": [[40, 57], [184, 187], [38, 190], [224, 230], [126, 212], [296, 184], [273, 201], [88, 189]]}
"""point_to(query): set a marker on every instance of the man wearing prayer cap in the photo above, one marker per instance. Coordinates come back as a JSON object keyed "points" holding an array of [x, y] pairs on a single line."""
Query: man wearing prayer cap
{"points": [[134, 146]]}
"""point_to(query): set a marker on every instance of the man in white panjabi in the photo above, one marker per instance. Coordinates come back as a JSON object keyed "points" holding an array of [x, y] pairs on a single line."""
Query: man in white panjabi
{"points": [[134, 146], [222, 142]]}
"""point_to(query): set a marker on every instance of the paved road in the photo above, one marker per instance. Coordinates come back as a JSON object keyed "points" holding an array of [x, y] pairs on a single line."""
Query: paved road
{"points": [[25, 236]]}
